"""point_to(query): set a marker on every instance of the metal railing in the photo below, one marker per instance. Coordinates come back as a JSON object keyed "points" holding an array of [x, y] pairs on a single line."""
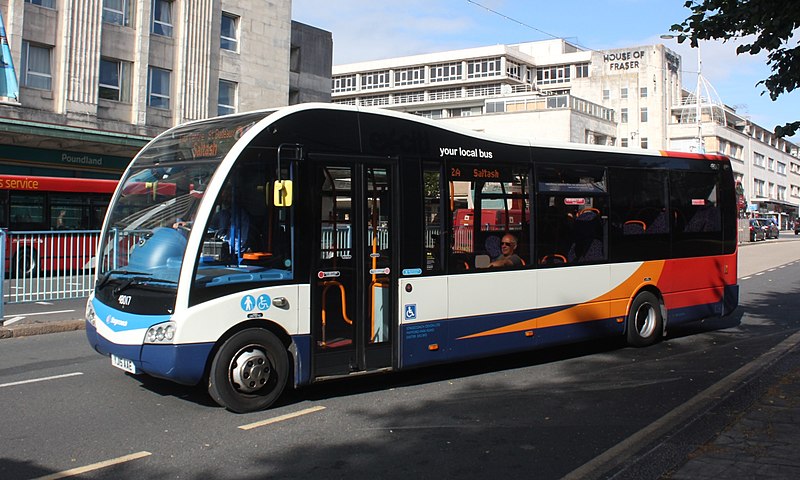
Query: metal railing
{"points": [[48, 265]]}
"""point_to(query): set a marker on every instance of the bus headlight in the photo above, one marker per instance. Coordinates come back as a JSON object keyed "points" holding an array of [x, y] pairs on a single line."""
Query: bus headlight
{"points": [[91, 317], [161, 333]]}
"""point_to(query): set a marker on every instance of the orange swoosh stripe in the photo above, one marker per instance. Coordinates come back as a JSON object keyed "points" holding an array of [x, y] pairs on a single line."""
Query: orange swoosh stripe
{"points": [[611, 304]]}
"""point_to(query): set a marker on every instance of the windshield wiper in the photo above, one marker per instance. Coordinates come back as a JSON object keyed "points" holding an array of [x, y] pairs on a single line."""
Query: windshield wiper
{"points": [[102, 281], [140, 282]]}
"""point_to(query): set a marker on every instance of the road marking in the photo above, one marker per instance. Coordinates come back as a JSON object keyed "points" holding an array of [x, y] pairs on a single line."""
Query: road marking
{"points": [[281, 418], [8, 322], [746, 278], [95, 466], [40, 313], [44, 379], [44, 303]]}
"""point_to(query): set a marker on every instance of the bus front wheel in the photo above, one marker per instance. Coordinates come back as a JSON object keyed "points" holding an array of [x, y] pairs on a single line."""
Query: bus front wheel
{"points": [[249, 371], [645, 323]]}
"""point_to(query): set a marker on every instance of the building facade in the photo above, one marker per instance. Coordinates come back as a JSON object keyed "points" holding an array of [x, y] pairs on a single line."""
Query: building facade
{"points": [[99, 78], [555, 91]]}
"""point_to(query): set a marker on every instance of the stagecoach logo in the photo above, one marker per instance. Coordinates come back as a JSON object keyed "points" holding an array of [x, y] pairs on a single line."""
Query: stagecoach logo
{"points": [[116, 321]]}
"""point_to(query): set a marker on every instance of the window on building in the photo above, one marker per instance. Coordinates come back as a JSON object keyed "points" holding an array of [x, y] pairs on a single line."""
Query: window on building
{"points": [[771, 164], [623, 115], [373, 80], [115, 80], [643, 92], [781, 193], [758, 159], [446, 71], [606, 94], [758, 187], [158, 87], [117, 12], [554, 74], [781, 168], [35, 71], [582, 70], [643, 114], [162, 17], [643, 142], [513, 70], [229, 32], [346, 83], [623, 142], [486, 67], [226, 102], [623, 92], [409, 76], [43, 3]]}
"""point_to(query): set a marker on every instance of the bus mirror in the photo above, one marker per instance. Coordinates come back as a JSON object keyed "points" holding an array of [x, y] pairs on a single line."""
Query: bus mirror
{"points": [[282, 193]]}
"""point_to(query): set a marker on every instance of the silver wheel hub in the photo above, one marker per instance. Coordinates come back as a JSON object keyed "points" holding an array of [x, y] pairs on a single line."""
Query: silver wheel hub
{"points": [[645, 320], [249, 369]]}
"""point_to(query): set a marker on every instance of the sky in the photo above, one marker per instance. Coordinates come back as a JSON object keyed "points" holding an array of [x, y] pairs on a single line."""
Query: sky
{"points": [[375, 29]]}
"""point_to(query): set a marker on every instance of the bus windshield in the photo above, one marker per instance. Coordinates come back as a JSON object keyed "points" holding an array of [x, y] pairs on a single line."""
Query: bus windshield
{"points": [[154, 210]]}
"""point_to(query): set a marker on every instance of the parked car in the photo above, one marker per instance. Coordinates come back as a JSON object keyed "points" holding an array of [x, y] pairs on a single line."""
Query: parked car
{"points": [[770, 228], [757, 231]]}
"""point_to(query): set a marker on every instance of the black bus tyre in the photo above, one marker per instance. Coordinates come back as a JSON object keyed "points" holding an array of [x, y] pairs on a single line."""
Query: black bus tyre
{"points": [[249, 371], [24, 264], [645, 323]]}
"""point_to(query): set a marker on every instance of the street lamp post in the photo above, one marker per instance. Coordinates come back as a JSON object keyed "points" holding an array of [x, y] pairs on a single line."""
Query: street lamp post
{"points": [[697, 96]]}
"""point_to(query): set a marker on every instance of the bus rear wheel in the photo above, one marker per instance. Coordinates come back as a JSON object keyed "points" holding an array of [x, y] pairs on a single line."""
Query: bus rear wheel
{"points": [[645, 323], [25, 264], [249, 371]]}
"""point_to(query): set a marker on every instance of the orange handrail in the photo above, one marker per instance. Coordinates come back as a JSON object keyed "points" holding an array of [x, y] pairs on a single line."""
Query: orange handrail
{"points": [[326, 286]]}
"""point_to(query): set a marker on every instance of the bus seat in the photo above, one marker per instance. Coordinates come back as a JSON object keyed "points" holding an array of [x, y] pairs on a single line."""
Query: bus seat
{"points": [[634, 227], [659, 224], [552, 259]]}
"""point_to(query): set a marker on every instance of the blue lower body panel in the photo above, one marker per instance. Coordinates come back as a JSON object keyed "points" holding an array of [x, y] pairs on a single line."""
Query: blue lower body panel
{"points": [[184, 364]]}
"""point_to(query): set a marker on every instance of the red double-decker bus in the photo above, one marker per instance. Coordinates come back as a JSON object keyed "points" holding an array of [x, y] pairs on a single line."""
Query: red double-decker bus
{"points": [[48, 220], [33, 203]]}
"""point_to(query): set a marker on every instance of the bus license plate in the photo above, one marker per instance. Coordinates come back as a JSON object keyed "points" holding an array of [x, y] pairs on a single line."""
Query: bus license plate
{"points": [[123, 364]]}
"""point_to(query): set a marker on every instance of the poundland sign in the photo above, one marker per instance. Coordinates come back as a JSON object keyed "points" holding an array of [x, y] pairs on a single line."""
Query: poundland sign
{"points": [[624, 60]]}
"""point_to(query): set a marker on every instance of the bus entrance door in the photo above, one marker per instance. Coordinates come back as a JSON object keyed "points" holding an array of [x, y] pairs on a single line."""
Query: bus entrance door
{"points": [[352, 300]]}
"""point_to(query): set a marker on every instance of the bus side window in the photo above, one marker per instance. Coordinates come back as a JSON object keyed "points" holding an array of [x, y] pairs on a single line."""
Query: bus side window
{"points": [[486, 208], [432, 205]]}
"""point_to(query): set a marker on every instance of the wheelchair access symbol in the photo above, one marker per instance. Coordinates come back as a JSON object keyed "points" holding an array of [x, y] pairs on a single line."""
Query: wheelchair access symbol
{"points": [[410, 311]]}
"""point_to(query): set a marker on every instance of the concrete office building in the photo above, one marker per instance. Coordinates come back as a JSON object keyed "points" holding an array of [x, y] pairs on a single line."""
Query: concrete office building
{"points": [[99, 78], [555, 91]]}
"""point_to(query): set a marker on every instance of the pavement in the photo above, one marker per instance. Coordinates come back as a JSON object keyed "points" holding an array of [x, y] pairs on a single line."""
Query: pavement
{"points": [[744, 427]]}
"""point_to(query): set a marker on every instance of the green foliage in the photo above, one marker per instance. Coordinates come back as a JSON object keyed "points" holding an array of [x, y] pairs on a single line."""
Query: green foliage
{"points": [[769, 23]]}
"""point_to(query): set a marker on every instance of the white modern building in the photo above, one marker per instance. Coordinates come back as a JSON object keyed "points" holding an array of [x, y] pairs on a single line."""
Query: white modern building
{"points": [[555, 91]]}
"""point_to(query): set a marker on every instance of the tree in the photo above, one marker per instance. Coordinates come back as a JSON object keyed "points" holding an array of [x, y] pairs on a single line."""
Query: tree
{"points": [[772, 22]]}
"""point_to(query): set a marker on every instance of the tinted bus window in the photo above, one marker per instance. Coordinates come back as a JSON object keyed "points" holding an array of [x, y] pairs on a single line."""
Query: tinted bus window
{"points": [[434, 231], [697, 221], [486, 205], [27, 211], [639, 219], [572, 212]]}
